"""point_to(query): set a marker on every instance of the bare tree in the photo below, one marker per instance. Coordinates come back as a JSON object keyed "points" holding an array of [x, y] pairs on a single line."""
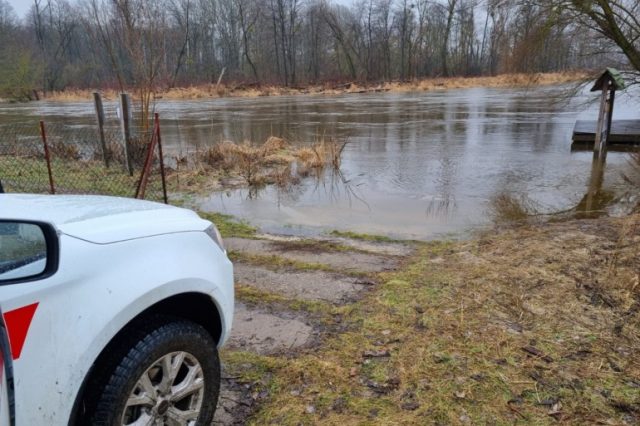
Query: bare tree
{"points": [[248, 15], [54, 23], [615, 20], [150, 44], [181, 12]]}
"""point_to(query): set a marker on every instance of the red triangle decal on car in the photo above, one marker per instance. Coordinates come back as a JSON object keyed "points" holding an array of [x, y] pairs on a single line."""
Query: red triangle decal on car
{"points": [[18, 322]]}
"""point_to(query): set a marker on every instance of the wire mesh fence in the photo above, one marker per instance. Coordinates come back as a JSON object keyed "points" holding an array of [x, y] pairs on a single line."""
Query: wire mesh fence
{"points": [[67, 159]]}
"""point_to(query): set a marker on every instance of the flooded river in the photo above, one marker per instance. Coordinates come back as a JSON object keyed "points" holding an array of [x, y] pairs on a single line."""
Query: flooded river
{"points": [[417, 165]]}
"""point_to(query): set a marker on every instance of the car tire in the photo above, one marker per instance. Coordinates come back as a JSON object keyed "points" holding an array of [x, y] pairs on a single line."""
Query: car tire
{"points": [[170, 371]]}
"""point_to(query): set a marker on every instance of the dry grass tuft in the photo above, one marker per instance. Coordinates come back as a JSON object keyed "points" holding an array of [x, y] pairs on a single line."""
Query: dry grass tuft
{"points": [[274, 144], [326, 152], [115, 151], [64, 151], [272, 161]]}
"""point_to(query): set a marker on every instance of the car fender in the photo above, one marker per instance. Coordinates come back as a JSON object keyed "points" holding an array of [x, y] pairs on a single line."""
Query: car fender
{"points": [[97, 291]]}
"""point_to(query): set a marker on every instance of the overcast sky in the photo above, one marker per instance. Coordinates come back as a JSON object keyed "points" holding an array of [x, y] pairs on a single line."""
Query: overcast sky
{"points": [[21, 6]]}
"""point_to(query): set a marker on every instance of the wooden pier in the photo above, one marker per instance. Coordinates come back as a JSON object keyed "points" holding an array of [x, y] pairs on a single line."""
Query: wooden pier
{"points": [[624, 135]]}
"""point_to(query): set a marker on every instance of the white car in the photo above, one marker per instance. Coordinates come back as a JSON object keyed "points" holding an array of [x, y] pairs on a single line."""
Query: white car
{"points": [[114, 310]]}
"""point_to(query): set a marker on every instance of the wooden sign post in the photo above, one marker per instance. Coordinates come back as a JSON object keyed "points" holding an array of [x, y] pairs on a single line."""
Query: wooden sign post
{"points": [[608, 83]]}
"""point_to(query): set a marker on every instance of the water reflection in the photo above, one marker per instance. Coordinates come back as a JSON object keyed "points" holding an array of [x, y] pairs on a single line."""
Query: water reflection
{"points": [[330, 184], [417, 164], [595, 201]]}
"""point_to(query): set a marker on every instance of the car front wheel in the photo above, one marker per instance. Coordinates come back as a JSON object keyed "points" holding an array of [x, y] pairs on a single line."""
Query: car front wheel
{"points": [[170, 375]]}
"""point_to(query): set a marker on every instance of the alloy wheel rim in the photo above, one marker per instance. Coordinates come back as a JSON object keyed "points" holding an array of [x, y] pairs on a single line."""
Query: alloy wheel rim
{"points": [[170, 392]]}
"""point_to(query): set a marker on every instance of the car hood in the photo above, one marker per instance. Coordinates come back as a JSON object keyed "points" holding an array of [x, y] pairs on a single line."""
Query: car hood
{"points": [[100, 219]]}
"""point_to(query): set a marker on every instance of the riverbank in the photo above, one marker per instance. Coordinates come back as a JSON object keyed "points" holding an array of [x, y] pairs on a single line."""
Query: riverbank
{"points": [[529, 324], [209, 91], [221, 167]]}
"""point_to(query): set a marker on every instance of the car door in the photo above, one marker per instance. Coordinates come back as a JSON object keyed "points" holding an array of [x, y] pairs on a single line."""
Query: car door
{"points": [[6, 393]]}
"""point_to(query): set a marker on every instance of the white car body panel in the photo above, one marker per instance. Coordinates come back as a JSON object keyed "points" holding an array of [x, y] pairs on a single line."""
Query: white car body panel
{"points": [[99, 219], [5, 414], [111, 268]]}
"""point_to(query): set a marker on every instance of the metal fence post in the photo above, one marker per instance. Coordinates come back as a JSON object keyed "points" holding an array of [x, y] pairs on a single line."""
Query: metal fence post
{"points": [[126, 129], [97, 99], [47, 157]]}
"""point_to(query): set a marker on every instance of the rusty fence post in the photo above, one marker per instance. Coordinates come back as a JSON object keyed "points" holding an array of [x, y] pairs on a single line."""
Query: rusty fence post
{"points": [[47, 157], [148, 162], [146, 167]]}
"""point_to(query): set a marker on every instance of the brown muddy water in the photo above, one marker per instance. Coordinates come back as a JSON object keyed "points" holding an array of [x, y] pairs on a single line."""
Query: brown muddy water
{"points": [[417, 165]]}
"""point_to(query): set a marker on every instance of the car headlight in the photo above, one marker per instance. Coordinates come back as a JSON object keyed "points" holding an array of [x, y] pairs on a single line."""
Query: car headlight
{"points": [[213, 232]]}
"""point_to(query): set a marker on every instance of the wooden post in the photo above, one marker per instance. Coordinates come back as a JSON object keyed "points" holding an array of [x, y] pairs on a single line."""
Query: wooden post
{"points": [[612, 98], [603, 128], [592, 202], [97, 100], [126, 129], [601, 116]]}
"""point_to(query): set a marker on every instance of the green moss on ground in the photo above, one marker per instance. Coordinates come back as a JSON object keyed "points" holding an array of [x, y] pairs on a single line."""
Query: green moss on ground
{"points": [[229, 226], [364, 237]]}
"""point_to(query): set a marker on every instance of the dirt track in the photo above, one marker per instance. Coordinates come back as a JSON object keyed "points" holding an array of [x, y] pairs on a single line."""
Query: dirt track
{"points": [[329, 271]]}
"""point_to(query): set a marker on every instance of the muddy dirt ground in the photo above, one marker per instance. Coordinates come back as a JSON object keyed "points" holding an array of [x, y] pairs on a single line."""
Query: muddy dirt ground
{"points": [[534, 324], [330, 271]]}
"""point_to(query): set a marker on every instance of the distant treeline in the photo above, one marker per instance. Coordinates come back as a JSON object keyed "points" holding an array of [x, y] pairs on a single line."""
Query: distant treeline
{"points": [[163, 43]]}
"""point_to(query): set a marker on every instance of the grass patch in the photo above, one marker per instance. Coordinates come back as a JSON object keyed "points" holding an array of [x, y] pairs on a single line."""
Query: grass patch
{"points": [[529, 326], [22, 174], [364, 237], [275, 262], [312, 246], [247, 366], [254, 296], [230, 226]]}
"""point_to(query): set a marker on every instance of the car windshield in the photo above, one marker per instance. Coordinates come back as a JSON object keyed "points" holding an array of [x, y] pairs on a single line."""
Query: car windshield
{"points": [[23, 250]]}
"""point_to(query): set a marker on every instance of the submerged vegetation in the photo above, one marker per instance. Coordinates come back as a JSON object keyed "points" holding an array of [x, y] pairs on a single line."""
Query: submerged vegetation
{"points": [[506, 208], [274, 162], [78, 168]]}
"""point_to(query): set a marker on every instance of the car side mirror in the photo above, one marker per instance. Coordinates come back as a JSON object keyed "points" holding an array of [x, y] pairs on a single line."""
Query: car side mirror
{"points": [[28, 251]]}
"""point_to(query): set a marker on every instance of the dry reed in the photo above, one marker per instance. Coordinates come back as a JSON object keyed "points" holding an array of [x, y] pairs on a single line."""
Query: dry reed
{"points": [[275, 161], [428, 84]]}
